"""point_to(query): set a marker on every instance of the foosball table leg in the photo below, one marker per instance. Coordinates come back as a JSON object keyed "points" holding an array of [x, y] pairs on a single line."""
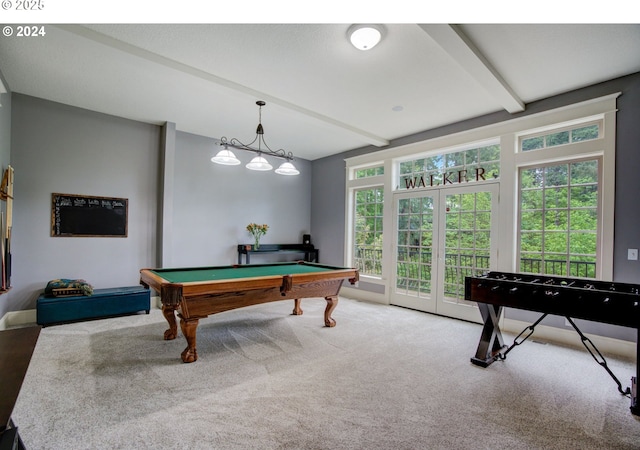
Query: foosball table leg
{"points": [[491, 343]]}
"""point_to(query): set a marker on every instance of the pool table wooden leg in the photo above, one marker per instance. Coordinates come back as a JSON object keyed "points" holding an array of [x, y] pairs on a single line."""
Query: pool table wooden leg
{"points": [[169, 313], [297, 310], [332, 302], [188, 328]]}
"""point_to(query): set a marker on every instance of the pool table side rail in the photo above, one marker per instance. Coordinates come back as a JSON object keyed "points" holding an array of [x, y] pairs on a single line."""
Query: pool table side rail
{"points": [[191, 288], [200, 306]]}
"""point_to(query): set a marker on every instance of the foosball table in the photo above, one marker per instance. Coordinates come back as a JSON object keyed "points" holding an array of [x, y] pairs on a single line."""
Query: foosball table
{"points": [[573, 298]]}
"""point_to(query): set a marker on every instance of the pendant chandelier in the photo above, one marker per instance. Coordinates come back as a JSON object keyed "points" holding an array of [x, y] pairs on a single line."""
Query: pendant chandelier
{"points": [[227, 158]]}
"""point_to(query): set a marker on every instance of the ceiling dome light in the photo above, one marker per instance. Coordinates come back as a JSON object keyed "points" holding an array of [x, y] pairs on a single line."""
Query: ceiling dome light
{"points": [[364, 37], [259, 163], [226, 158], [286, 168]]}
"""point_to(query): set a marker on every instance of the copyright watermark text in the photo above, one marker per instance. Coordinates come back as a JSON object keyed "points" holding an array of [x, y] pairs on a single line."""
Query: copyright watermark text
{"points": [[24, 31], [23, 5]]}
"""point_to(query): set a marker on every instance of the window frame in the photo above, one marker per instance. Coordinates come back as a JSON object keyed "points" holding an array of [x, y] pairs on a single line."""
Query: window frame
{"points": [[353, 186]]}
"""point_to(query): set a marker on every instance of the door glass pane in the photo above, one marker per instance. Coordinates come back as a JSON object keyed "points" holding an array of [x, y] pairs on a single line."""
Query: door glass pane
{"points": [[415, 246], [467, 240]]}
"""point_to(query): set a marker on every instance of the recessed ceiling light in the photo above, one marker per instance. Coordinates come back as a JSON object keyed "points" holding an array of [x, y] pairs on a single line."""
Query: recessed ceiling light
{"points": [[364, 37]]}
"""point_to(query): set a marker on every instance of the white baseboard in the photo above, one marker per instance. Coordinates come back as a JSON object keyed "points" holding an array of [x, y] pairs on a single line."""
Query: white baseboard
{"points": [[367, 296], [569, 337], [18, 318]]}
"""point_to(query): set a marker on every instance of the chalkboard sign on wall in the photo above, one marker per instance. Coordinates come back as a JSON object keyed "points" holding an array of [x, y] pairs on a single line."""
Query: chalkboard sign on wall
{"points": [[88, 216]]}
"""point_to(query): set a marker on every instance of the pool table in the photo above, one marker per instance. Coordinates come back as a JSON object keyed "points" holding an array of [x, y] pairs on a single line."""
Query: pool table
{"points": [[197, 292]]}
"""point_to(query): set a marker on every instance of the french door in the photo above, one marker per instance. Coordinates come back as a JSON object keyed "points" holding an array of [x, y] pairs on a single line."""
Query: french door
{"points": [[442, 236]]}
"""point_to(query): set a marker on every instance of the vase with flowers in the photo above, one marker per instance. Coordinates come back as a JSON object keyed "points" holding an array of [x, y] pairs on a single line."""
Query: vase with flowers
{"points": [[257, 231]]}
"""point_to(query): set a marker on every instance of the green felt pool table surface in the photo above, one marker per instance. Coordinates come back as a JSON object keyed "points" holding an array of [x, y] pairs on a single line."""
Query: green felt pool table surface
{"points": [[195, 274]]}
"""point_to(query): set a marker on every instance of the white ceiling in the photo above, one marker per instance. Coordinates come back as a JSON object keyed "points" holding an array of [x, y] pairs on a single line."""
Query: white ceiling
{"points": [[323, 96]]}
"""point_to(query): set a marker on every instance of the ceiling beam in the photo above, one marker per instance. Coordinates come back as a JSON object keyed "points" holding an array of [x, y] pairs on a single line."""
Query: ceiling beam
{"points": [[79, 30], [466, 54]]}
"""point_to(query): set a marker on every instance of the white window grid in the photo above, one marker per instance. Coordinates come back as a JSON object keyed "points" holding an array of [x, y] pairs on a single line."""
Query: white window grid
{"points": [[545, 138]]}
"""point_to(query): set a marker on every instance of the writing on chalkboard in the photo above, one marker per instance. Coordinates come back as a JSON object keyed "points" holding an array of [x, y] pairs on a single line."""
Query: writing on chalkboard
{"points": [[88, 216]]}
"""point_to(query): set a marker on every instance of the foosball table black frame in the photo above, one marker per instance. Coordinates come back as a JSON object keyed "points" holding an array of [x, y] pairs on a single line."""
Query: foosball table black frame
{"points": [[573, 298]]}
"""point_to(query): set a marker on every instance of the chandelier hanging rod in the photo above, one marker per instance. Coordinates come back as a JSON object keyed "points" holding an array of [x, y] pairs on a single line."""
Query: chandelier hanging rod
{"points": [[237, 144]]}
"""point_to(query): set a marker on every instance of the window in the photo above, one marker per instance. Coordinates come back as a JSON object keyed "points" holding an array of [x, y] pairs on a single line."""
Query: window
{"points": [[369, 172], [475, 164], [368, 215], [558, 218], [579, 133], [554, 173]]}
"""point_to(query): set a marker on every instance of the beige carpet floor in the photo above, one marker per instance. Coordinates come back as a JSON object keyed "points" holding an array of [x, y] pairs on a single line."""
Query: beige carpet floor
{"points": [[383, 378]]}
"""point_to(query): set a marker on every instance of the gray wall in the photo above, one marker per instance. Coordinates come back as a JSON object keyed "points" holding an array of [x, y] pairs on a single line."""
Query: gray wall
{"points": [[627, 215], [213, 204], [328, 211], [58, 148], [5, 127], [329, 199]]}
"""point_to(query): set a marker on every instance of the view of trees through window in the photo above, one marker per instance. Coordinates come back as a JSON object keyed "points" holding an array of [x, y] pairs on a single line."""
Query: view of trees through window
{"points": [[369, 172], [582, 133], [559, 219], [415, 245], [467, 239], [367, 240]]}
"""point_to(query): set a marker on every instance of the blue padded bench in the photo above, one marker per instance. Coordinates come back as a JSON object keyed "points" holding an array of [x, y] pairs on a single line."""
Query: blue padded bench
{"points": [[103, 303]]}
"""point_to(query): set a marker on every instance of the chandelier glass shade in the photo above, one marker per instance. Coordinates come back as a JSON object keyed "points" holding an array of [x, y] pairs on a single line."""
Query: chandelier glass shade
{"points": [[226, 156], [259, 163], [286, 168]]}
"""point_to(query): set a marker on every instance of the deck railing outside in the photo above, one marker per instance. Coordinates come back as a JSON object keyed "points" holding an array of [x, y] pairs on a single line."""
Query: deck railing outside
{"points": [[414, 264]]}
